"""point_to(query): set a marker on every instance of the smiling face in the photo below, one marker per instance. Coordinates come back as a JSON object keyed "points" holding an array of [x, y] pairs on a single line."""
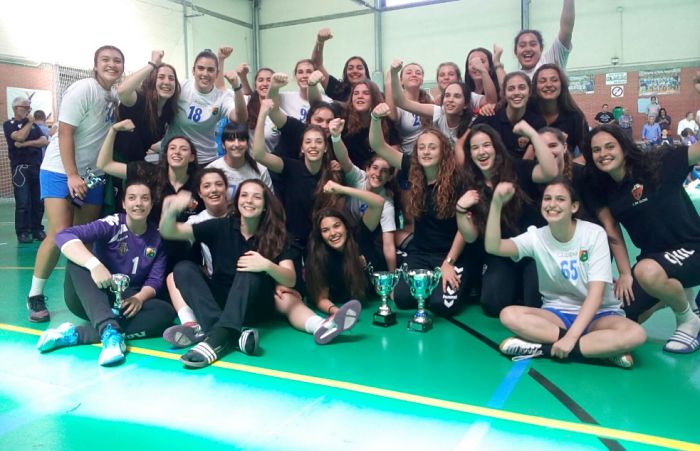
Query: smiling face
{"points": [[313, 145], [548, 84], [355, 71], [236, 147], [263, 79], [333, 232], [412, 76], [528, 50], [453, 101], [361, 98], [557, 205], [608, 155], [212, 190], [447, 74], [517, 92], [302, 72], [179, 153], [378, 173], [109, 67], [482, 152], [166, 82], [251, 200], [137, 202], [205, 71], [429, 151]]}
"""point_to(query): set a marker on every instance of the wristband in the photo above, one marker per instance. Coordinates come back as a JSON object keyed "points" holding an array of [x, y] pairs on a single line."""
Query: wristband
{"points": [[450, 261], [336, 139], [375, 117], [92, 263], [154, 65], [239, 87], [331, 308]]}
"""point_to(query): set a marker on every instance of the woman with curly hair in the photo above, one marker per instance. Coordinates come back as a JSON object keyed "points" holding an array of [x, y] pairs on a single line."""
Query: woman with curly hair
{"points": [[488, 164], [435, 183]]}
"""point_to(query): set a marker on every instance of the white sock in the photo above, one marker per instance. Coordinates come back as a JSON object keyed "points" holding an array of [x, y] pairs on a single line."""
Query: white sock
{"points": [[688, 322], [313, 323], [37, 286], [186, 315]]}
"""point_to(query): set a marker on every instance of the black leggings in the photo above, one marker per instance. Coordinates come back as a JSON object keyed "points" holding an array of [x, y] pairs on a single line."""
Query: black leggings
{"points": [[85, 300], [505, 282], [248, 299]]}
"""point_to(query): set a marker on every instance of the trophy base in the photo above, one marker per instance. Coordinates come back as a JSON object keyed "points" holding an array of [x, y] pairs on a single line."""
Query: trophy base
{"points": [[420, 326], [384, 320]]}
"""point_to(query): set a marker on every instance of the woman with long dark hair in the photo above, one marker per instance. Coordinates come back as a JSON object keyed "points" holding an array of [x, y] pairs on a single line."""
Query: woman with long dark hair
{"points": [[480, 74]]}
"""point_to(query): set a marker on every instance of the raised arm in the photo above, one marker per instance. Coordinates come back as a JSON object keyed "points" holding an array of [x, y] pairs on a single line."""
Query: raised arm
{"points": [[323, 35], [260, 153], [493, 242], [127, 89], [105, 159], [222, 55], [240, 111], [498, 65], [278, 117], [335, 127], [389, 97], [314, 92], [465, 224], [376, 137], [422, 109], [374, 201], [546, 169], [169, 227], [566, 23], [490, 89], [242, 70]]}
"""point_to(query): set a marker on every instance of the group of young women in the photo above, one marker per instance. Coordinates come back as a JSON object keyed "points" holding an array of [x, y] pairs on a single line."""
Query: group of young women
{"points": [[486, 186]]}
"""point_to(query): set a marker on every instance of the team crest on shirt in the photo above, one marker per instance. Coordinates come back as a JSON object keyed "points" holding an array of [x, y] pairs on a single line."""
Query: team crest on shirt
{"points": [[583, 255], [150, 252], [637, 191], [215, 111], [123, 248]]}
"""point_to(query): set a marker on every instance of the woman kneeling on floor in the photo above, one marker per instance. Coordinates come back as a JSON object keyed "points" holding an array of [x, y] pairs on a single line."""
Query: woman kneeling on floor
{"points": [[580, 316], [123, 243]]}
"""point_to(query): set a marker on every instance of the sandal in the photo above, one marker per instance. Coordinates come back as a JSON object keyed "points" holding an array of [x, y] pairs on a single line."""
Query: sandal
{"points": [[343, 319], [688, 342], [202, 355]]}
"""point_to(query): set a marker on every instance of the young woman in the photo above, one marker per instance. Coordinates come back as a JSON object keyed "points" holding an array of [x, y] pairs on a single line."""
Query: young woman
{"points": [[337, 258], [645, 194], [297, 104], [212, 188], [580, 316], [514, 108], [124, 243], [488, 164], [446, 74], [202, 105], [436, 180], [263, 81], [87, 111], [664, 120], [554, 101], [354, 71], [483, 73]]}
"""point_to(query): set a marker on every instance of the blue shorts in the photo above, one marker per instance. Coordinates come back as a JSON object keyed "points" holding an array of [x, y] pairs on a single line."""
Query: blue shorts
{"points": [[569, 318], [54, 184]]}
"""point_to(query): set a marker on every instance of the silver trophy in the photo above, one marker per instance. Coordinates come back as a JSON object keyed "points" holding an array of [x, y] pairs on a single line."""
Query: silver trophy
{"points": [[91, 180], [422, 282], [120, 282], [384, 283]]}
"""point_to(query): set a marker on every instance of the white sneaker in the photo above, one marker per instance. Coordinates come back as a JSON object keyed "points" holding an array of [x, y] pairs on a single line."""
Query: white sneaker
{"points": [[520, 348]]}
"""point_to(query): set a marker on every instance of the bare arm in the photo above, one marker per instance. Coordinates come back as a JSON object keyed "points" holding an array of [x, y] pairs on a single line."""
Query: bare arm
{"points": [[242, 70], [490, 90], [422, 109], [498, 65], [39, 142], [335, 127], [283, 273], [276, 114], [546, 168], [313, 91], [323, 35], [389, 98], [260, 153], [493, 242], [78, 253], [222, 55], [105, 159], [389, 249], [566, 23], [127, 89], [376, 137], [22, 134], [240, 111], [169, 227], [618, 248], [465, 224], [374, 201]]}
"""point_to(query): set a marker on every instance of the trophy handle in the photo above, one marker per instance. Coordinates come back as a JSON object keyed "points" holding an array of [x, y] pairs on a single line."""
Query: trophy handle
{"points": [[437, 274], [402, 271]]}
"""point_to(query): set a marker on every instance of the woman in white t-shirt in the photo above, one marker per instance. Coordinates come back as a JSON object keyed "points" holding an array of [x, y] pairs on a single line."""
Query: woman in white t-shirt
{"points": [[86, 114], [580, 316]]}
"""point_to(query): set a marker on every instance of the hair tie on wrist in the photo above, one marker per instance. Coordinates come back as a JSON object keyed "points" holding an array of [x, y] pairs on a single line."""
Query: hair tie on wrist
{"points": [[155, 66]]}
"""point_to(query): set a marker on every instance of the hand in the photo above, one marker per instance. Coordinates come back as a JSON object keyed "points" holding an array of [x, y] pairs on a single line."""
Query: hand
{"points": [[242, 70], [477, 64], [563, 347], [497, 52], [124, 126], [279, 79], [157, 57], [315, 78], [131, 306], [232, 77], [266, 105], [488, 110], [282, 293], [468, 199], [30, 118], [396, 66], [177, 202], [324, 34], [252, 261], [76, 186], [449, 277], [522, 128], [332, 187], [19, 144], [504, 192], [101, 276], [224, 52], [335, 126], [381, 110], [623, 289]]}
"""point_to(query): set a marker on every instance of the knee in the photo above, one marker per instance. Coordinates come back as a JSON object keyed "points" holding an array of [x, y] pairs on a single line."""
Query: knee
{"points": [[636, 335], [509, 316], [648, 273], [491, 307]]}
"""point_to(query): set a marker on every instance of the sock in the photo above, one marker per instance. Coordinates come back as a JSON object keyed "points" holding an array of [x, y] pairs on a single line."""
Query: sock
{"points": [[186, 315], [313, 323], [688, 322], [37, 287]]}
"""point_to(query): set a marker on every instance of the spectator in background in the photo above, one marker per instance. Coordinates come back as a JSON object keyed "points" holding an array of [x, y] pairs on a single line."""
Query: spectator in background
{"points": [[25, 143], [688, 122], [666, 138], [604, 116], [653, 108], [40, 121], [687, 137], [625, 122], [663, 119], [651, 132]]}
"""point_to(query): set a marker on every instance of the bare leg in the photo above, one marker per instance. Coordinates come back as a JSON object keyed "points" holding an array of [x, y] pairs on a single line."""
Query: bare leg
{"points": [[288, 302], [59, 213], [532, 324], [611, 336]]}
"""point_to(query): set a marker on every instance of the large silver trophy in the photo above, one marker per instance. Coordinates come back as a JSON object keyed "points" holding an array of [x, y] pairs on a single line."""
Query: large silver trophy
{"points": [[384, 283], [422, 282], [120, 282], [91, 180]]}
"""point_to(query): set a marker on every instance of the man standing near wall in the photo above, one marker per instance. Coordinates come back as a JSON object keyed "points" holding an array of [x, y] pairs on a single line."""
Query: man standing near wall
{"points": [[25, 141]]}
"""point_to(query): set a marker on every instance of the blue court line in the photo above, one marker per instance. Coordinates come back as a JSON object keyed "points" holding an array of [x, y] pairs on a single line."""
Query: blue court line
{"points": [[508, 384]]}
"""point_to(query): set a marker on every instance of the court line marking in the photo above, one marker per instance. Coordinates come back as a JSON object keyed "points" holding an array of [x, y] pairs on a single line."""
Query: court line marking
{"points": [[586, 429], [16, 268]]}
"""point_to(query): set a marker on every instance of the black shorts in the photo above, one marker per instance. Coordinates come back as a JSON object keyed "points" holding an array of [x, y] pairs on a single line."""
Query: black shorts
{"points": [[681, 263]]}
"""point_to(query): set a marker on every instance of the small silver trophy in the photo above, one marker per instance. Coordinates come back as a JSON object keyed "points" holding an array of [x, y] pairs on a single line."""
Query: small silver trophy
{"points": [[91, 180], [120, 282], [422, 282], [384, 283]]}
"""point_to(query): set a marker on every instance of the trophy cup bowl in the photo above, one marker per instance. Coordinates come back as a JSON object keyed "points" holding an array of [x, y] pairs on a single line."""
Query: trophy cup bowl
{"points": [[120, 282], [421, 283], [384, 283], [91, 180]]}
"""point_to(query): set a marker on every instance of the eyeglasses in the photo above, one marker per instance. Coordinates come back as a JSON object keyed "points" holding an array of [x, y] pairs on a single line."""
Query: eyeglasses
{"points": [[26, 107]]}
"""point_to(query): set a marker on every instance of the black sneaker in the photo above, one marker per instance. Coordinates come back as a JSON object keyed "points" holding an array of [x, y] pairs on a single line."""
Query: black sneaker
{"points": [[38, 313], [24, 237], [39, 236]]}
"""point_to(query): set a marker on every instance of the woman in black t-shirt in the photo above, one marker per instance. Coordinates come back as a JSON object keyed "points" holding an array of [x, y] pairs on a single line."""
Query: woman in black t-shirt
{"points": [[644, 191]]}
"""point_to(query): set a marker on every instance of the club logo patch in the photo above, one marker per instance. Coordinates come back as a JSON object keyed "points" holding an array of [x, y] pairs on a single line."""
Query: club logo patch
{"points": [[637, 191], [215, 111], [150, 252], [583, 255]]}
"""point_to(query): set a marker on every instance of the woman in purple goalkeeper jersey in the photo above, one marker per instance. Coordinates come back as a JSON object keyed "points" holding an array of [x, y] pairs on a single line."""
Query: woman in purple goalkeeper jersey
{"points": [[123, 244]]}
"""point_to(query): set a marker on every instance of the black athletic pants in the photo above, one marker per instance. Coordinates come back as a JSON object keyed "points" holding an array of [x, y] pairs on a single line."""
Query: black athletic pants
{"points": [[505, 282]]}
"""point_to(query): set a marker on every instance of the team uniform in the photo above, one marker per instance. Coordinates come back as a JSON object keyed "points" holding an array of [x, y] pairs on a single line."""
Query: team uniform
{"points": [[358, 146], [121, 251], [293, 105], [236, 176], [503, 126], [409, 127]]}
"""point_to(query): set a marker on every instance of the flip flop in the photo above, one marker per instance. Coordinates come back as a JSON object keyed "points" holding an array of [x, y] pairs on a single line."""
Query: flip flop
{"points": [[344, 319], [690, 343], [203, 355]]}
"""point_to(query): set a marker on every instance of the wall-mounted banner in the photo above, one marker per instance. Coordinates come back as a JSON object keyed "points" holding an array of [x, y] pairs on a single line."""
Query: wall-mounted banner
{"points": [[664, 81], [616, 78], [582, 84]]}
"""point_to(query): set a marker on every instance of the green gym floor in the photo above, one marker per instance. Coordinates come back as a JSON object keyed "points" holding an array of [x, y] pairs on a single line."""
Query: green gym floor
{"points": [[373, 388]]}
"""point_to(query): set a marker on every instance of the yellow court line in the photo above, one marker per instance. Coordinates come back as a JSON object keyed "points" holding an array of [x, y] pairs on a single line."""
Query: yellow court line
{"points": [[587, 429]]}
